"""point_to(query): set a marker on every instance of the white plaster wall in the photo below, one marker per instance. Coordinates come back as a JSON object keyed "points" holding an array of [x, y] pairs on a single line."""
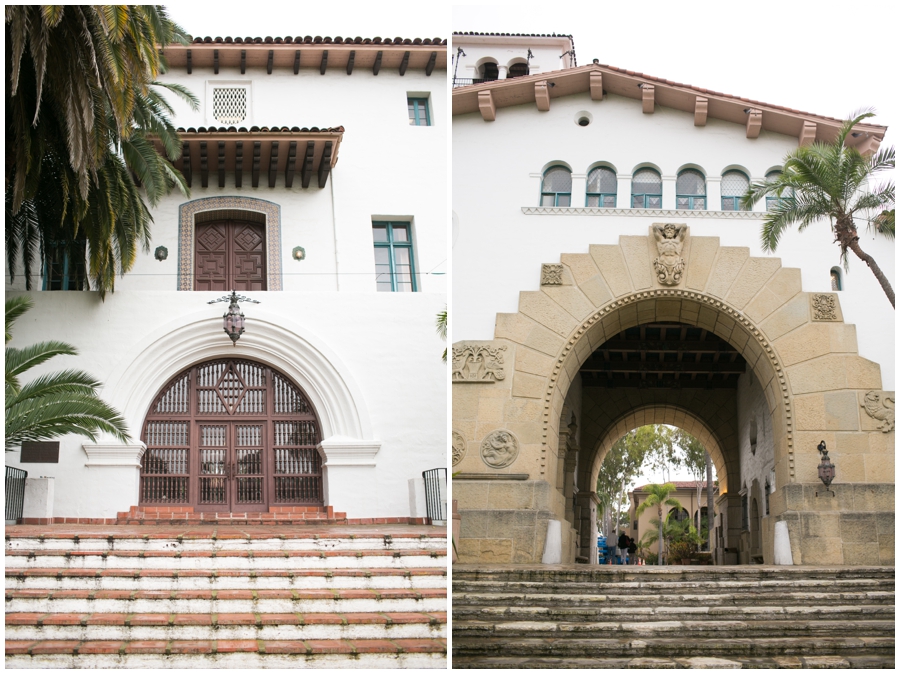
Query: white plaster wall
{"points": [[384, 342], [497, 169]]}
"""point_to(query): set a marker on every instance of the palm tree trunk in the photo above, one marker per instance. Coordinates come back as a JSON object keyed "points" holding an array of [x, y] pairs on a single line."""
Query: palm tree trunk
{"points": [[865, 257], [659, 539]]}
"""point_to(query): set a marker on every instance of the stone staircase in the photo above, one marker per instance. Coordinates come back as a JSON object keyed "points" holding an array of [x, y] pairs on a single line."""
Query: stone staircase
{"points": [[226, 597], [673, 617]]}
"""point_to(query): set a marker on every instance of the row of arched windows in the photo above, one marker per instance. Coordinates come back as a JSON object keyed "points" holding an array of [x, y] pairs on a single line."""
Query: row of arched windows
{"points": [[646, 189]]}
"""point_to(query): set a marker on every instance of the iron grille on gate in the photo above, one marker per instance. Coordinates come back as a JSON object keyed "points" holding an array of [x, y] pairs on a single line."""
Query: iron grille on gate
{"points": [[435, 505], [231, 434], [15, 493]]}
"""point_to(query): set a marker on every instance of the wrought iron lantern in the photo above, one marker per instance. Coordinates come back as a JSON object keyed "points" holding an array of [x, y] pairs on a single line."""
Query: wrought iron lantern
{"points": [[233, 319], [161, 253], [826, 468]]}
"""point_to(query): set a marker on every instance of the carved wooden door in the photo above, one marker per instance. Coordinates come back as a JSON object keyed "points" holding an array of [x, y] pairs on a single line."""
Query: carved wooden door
{"points": [[231, 435], [229, 255]]}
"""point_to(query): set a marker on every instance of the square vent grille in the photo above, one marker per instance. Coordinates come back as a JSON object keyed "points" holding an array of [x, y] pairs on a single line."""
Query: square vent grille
{"points": [[230, 105]]}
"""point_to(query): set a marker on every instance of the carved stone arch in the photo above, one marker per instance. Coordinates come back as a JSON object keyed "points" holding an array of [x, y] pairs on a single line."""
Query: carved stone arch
{"points": [[268, 211], [722, 452]]}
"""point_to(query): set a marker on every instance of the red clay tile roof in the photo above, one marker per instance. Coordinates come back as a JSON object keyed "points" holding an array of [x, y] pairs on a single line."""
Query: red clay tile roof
{"points": [[679, 485], [261, 129], [318, 40]]}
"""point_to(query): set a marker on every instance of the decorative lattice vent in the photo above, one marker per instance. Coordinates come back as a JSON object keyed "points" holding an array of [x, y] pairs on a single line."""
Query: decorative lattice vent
{"points": [[230, 105]]}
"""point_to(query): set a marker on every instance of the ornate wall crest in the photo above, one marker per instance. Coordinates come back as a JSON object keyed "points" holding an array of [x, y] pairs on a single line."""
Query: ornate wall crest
{"points": [[499, 449], [459, 447], [669, 265], [876, 406], [551, 274], [824, 307], [478, 363]]}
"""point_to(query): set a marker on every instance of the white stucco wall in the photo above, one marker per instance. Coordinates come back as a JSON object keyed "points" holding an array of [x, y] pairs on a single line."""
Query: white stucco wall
{"points": [[497, 170], [546, 54], [380, 350]]}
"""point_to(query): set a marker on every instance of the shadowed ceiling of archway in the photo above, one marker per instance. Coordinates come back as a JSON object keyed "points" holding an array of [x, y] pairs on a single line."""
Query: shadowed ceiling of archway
{"points": [[664, 355]]}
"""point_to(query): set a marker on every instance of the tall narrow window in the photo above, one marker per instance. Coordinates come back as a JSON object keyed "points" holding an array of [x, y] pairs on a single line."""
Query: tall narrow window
{"points": [[489, 72], [556, 187], [773, 199], [418, 112], [64, 266], [394, 267], [602, 187], [517, 70], [690, 191], [836, 279], [229, 255], [734, 185], [646, 189]]}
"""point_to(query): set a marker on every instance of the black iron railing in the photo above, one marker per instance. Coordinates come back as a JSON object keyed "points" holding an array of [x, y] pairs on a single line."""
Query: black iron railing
{"points": [[15, 493], [466, 81], [435, 490]]}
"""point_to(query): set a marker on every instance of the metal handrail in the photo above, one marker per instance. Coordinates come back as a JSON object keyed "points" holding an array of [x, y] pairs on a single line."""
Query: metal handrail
{"points": [[15, 493], [435, 502]]}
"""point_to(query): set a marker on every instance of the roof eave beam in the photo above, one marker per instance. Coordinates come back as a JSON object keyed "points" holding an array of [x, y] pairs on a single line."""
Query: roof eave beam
{"points": [[324, 63], [377, 65], [238, 163], [221, 163], [701, 110], [186, 162], [270, 62], [290, 167], [254, 172], [306, 171], [754, 122], [325, 164], [807, 133], [350, 60], [648, 98], [273, 164], [204, 165], [431, 63], [404, 64], [487, 106], [596, 86], [542, 95]]}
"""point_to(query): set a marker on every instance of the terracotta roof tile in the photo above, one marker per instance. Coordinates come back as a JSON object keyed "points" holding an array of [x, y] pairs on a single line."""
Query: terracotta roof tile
{"points": [[319, 40], [261, 129]]}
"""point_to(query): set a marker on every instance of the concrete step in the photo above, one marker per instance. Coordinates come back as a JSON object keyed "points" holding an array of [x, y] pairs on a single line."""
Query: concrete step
{"points": [[654, 587], [228, 579], [688, 598], [223, 542], [228, 559], [225, 601], [688, 629], [220, 653], [673, 647], [265, 626], [631, 613], [731, 662]]}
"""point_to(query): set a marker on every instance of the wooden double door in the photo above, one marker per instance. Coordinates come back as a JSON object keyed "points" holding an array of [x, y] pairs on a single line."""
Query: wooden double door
{"points": [[231, 435], [229, 255]]}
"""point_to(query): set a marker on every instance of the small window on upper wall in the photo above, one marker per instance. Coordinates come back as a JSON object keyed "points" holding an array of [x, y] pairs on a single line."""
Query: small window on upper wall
{"points": [[734, 186], [556, 187], [517, 70], [394, 265], [64, 267], [489, 72], [690, 191], [836, 283], [229, 104], [602, 187], [646, 189], [418, 111]]}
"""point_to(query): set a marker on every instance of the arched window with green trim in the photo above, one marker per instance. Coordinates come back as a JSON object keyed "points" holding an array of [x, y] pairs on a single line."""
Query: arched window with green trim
{"points": [[773, 199], [690, 191], [836, 280], [734, 186], [646, 189], [556, 187], [602, 187]]}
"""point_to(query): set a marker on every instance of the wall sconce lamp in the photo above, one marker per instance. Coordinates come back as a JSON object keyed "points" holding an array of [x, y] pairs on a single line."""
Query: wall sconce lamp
{"points": [[161, 253], [299, 253], [233, 319], [826, 468]]}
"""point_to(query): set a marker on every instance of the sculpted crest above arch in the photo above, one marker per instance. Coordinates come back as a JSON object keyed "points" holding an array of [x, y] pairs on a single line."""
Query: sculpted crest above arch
{"points": [[186, 217]]}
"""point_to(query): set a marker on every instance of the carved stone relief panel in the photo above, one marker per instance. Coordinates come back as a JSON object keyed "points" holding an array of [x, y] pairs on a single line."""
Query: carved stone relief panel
{"points": [[478, 364], [459, 447], [551, 274], [669, 266], [879, 405], [499, 449], [824, 307]]}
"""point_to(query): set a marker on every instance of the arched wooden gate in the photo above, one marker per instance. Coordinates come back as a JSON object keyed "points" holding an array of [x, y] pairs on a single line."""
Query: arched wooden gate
{"points": [[231, 435]]}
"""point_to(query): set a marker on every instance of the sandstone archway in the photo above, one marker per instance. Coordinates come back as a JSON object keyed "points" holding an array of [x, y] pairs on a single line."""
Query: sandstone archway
{"points": [[794, 342]]}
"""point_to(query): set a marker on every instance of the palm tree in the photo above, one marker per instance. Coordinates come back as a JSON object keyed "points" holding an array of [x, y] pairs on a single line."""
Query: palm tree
{"points": [[442, 328], [658, 496], [54, 404], [82, 105], [830, 180]]}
